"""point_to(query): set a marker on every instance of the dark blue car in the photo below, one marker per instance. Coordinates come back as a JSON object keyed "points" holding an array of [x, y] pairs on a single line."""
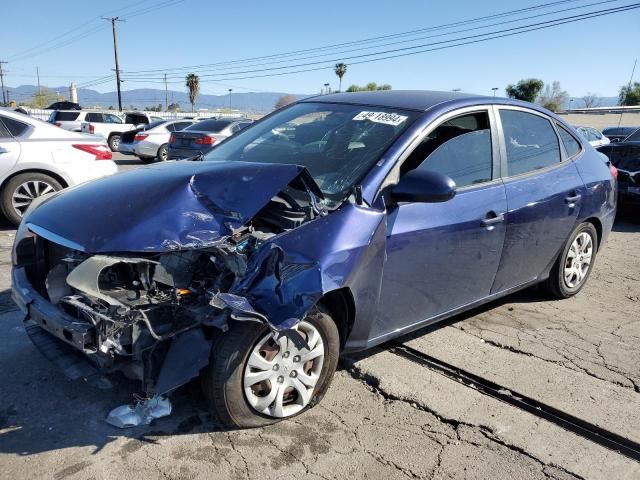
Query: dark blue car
{"points": [[332, 225]]}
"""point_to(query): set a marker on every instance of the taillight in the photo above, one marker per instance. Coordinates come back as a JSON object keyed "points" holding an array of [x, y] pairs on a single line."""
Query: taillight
{"points": [[92, 129], [139, 137], [58, 124], [172, 139], [101, 152], [614, 171], [206, 140]]}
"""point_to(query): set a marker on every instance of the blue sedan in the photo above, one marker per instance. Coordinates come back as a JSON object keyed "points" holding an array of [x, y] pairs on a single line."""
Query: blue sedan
{"points": [[330, 226]]}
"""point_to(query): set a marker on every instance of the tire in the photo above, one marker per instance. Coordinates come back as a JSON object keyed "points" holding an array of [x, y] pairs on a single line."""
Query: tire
{"points": [[20, 187], [223, 381], [163, 153], [147, 160], [114, 141], [562, 284]]}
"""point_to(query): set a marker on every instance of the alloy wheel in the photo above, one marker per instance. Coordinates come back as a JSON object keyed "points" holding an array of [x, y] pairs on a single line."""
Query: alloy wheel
{"points": [[282, 371], [578, 261], [27, 192]]}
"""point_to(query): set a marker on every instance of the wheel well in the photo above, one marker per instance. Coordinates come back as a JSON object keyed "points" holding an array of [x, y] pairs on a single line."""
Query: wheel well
{"points": [[598, 226], [342, 307], [53, 175]]}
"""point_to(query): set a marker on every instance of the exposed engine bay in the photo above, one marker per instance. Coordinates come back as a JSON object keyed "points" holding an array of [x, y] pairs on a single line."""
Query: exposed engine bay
{"points": [[131, 311]]}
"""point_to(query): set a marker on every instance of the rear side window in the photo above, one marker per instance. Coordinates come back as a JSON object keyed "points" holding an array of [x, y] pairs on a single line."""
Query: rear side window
{"points": [[571, 145], [65, 116], [531, 142], [94, 117], [459, 148], [15, 127]]}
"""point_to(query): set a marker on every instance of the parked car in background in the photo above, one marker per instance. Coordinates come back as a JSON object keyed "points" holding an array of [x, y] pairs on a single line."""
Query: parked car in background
{"points": [[65, 105], [72, 119], [332, 225], [151, 141], [593, 136], [202, 136], [112, 126], [618, 134], [625, 156], [37, 158]]}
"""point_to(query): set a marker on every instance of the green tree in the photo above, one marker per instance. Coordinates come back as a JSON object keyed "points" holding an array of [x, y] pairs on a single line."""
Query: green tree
{"points": [[630, 96], [526, 90], [553, 97], [284, 100], [192, 82], [340, 70], [371, 86], [43, 99]]}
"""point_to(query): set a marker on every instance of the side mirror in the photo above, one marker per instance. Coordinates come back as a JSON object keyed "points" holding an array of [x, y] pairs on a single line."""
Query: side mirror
{"points": [[424, 187]]}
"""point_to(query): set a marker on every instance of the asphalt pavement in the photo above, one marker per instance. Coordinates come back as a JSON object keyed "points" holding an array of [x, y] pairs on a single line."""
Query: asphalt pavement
{"points": [[386, 416]]}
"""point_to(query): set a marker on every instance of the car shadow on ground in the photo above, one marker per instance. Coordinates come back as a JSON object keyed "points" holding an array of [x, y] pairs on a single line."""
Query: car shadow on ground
{"points": [[129, 161], [40, 410]]}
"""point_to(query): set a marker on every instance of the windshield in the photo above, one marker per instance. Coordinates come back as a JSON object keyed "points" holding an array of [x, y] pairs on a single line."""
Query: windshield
{"points": [[337, 143]]}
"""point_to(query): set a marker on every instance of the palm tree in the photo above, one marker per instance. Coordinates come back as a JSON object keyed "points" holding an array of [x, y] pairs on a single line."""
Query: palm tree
{"points": [[340, 69], [193, 84]]}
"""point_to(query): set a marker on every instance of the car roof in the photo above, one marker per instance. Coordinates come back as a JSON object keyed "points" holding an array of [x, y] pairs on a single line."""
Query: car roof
{"points": [[420, 100]]}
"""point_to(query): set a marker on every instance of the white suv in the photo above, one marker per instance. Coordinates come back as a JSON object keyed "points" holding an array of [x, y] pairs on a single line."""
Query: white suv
{"points": [[72, 119]]}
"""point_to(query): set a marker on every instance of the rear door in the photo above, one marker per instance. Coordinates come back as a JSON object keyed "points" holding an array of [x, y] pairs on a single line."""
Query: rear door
{"points": [[544, 192], [9, 146]]}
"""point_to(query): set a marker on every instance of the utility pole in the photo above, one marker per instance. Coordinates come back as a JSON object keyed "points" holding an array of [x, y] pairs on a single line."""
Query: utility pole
{"points": [[230, 90], [113, 21], [166, 94], [495, 89], [4, 96], [38, 75]]}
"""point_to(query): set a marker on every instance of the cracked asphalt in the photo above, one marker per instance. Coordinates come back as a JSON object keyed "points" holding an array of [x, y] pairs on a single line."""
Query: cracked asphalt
{"points": [[384, 416]]}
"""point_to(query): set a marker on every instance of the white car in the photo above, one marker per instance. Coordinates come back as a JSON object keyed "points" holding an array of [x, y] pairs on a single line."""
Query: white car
{"points": [[593, 136], [72, 119], [151, 141], [37, 158], [107, 126]]}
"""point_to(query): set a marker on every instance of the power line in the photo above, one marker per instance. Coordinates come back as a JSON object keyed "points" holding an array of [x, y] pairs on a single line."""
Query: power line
{"points": [[394, 53], [373, 39], [132, 75]]}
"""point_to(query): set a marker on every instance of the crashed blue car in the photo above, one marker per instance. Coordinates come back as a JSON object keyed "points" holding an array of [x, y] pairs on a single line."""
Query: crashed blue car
{"points": [[329, 226]]}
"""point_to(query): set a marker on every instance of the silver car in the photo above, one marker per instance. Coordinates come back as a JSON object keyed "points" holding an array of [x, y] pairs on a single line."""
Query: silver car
{"points": [[593, 136], [37, 158], [152, 141]]}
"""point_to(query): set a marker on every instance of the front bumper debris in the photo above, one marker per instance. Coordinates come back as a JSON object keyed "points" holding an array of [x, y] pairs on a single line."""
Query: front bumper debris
{"points": [[142, 412]]}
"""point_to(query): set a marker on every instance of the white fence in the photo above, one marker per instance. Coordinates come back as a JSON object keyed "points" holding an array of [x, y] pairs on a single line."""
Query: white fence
{"points": [[44, 114]]}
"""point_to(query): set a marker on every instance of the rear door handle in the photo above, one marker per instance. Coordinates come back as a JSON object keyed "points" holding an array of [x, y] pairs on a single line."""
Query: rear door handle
{"points": [[492, 219], [573, 198]]}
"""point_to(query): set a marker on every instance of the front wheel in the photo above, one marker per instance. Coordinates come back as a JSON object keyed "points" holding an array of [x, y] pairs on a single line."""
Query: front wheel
{"points": [[163, 153], [573, 266], [258, 377]]}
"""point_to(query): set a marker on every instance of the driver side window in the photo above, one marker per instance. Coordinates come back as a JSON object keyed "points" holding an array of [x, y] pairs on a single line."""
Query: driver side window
{"points": [[459, 148]]}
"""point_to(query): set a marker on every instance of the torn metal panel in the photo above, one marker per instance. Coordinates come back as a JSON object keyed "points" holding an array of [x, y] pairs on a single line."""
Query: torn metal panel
{"points": [[184, 205]]}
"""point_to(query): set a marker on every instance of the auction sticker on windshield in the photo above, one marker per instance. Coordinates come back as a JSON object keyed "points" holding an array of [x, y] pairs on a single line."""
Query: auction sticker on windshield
{"points": [[382, 117]]}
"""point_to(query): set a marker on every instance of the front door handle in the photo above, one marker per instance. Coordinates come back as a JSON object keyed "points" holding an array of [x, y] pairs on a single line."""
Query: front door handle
{"points": [[492, 219], [573, 198], [3, 150]]}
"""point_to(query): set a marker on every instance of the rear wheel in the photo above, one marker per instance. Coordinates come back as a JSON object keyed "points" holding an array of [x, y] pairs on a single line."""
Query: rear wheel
{"points": [[21, 190], [114, 141], [573, 266], [258, 377], [163, 153]]}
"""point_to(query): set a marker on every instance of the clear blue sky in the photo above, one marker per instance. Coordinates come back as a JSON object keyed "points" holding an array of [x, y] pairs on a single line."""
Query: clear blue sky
{"points": [[594, 55]]}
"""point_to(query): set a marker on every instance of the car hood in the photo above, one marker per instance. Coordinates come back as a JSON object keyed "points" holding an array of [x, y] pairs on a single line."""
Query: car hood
{"points": [[163, 207]]}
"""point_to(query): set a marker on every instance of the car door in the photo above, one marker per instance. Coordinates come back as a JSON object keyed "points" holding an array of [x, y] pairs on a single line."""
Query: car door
{"points": [[9, 148], [544, 192], [443, 256]]}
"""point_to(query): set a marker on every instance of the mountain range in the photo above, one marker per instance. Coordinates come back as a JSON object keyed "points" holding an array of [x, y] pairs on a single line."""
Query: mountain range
{"points": [[140, 98]]}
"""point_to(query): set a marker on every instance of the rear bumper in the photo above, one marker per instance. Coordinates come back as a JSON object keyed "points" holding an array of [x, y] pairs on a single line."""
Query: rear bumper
{"points": [[127, 148]]}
